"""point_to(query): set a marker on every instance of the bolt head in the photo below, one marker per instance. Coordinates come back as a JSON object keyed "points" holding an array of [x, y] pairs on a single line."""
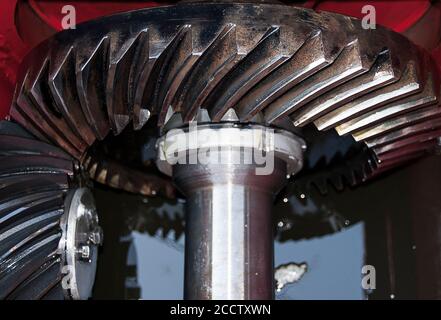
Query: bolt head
{"points": [[96, 236], [84, 252]]}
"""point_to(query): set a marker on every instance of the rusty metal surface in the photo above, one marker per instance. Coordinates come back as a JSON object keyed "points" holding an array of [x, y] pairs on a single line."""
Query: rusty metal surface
{"points": [[270, 63]]}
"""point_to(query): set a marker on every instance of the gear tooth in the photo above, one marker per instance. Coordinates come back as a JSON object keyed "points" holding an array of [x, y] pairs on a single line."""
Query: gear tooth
{"points": [[140, 78], [124, 56], [364, 173], [101, 172], [203, 116], [20, 117], [129, 187], [374, 134], [230, 115], [169, 114], [92, 168], [39, 164], [112, 177], [229, 47], [120, 121], [11, 208], [146, 190], [347, 65], [109, 172], [15, 187], [337, 182], [339, 170], [91, 70], [321, 185], [408, 131], [370, 168], [62, 87], [40, 283], [166, 226], [13, 145], [30, 262], [55, 293], [87, 161], [177, 60], [19, 114], [383, 72], [153, 69], [30, 105], [425, 98], [178, 227], [143, 117], [154, 229], [413, 143], [352, 177], [407, 85], [24, 231], [312, 56], [373, 162], [402, 156], [113, 180], [218, 58], [284, 123], [266, 56], [173, 121]]}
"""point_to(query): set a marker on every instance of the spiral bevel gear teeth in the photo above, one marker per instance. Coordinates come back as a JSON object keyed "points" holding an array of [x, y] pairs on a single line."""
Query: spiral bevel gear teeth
{"points": [[269, 63]]}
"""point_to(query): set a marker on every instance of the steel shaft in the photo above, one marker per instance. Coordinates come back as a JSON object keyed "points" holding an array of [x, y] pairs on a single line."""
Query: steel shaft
{"points": [[229, 239]]}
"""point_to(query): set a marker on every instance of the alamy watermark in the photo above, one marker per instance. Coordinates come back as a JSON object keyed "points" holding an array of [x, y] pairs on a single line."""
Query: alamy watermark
{"points": [[69, 20], [66, 283], [368, 281], [230, 146], [369, 20]]}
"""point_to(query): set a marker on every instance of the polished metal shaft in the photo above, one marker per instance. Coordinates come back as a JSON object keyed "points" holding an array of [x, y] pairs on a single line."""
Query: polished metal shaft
{"points": [[229, 240]]}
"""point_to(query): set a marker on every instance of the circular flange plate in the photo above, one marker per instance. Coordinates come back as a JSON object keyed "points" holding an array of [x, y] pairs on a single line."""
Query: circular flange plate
{"points": [[81, 238]]}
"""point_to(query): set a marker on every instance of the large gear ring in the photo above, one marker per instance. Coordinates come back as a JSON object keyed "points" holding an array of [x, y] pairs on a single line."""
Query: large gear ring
{"points": [[264, 63]]}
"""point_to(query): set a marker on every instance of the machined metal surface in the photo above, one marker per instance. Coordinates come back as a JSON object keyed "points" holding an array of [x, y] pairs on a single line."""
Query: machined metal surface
{"points": [[270, 63], [35, 177], [229, 236], [47, 237], [239, 69], [191, 141], [79, 244]]}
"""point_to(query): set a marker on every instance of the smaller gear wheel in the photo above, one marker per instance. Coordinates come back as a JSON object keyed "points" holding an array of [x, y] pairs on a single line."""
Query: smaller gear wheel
{"points": [[42, 213]]}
